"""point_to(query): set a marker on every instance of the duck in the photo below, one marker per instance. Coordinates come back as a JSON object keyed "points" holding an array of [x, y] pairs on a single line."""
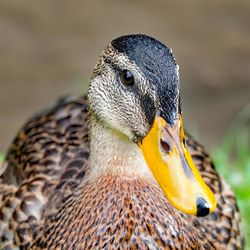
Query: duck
{"points": [[114, 169]]}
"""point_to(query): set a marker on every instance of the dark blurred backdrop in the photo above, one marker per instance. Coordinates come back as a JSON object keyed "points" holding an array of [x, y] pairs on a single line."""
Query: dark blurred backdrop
{"points": [[49, 48]]}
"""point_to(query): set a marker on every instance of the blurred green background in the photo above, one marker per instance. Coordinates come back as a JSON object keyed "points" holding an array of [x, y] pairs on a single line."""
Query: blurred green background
{"points": [[49, 48]]}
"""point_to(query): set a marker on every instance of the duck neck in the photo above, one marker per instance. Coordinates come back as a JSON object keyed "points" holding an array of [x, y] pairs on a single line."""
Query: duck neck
{"points": [[114, 153]]}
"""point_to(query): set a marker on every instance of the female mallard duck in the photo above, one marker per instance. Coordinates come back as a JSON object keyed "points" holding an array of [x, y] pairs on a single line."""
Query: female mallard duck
{"points": [[139, 188]]}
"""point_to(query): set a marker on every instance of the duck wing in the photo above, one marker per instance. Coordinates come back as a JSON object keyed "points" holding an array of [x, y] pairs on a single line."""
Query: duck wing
{"points": [[45, 163], [223, 225]]}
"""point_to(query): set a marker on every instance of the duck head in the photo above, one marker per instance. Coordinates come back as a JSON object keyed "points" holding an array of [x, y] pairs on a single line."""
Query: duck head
{"points": [[135, 91]]}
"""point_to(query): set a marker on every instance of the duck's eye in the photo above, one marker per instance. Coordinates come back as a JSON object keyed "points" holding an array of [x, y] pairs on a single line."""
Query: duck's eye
{"points": [[127, 78]]}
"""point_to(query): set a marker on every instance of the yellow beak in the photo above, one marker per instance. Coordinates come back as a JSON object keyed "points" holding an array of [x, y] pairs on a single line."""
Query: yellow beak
{"points": [[170, 162]]}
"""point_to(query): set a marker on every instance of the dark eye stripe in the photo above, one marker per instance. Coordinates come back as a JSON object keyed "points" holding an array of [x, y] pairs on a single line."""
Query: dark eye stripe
{"points": [[127, 77]]}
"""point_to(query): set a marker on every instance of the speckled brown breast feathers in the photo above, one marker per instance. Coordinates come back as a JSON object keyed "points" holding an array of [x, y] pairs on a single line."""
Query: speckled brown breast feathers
{"points": [[47, 200]]}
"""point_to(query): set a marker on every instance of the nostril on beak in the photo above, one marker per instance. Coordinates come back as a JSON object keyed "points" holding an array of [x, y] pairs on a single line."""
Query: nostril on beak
{"points": [[202, 207], [165, 146]]}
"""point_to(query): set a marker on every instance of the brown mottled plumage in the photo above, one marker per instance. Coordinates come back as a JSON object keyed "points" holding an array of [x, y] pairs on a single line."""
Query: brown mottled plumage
{"points": [[49, 200]]}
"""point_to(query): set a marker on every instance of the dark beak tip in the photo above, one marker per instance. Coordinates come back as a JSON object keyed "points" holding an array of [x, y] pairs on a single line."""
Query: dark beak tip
{"points": [[203, 208]]}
